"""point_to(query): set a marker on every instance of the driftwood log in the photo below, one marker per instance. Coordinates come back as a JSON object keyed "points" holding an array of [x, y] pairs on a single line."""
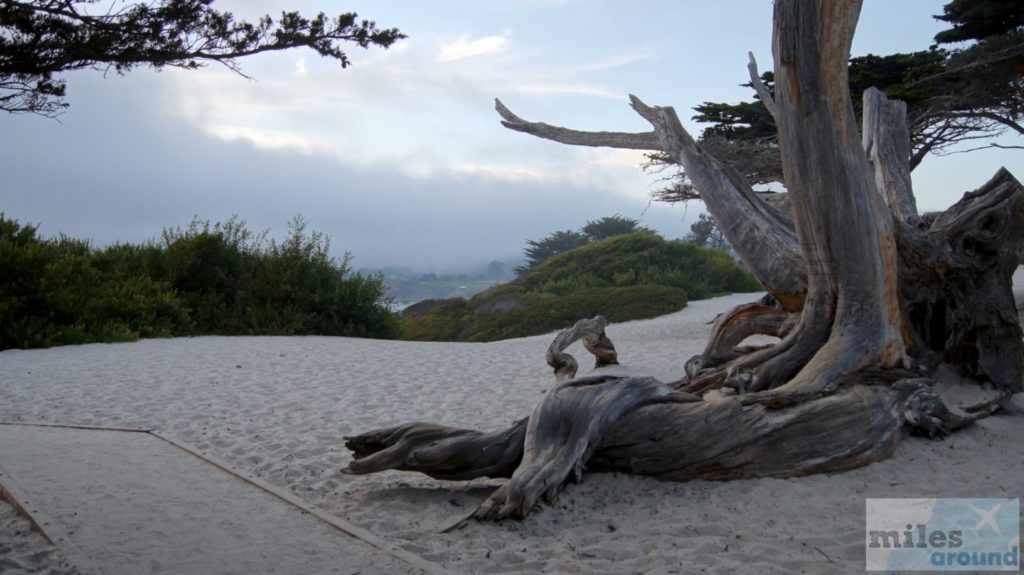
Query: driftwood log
{"points": [[868, 297]]}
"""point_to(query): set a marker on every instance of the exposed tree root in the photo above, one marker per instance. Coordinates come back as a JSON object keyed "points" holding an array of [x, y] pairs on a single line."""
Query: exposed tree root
{"points": [[591, 332], [640, 425], [736, 325], [563, 433], [438, 451]]}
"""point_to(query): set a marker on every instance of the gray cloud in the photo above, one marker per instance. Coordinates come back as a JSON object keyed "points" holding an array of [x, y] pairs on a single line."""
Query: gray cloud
{"points": [[118, 169]]}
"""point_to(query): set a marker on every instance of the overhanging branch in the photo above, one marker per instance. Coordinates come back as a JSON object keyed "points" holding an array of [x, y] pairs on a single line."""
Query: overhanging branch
{"points": [[762, 235], [626, 140]]}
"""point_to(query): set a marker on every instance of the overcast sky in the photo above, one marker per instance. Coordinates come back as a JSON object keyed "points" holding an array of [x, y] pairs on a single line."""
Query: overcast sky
{"points": [[401, 158]]}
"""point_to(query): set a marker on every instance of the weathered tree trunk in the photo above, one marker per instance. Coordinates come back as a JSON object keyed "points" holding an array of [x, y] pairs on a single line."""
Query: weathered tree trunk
{"points": [[867, 297], [851, 318]]}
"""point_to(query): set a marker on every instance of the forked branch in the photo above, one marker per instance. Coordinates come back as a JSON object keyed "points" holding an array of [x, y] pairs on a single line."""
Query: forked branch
{"points": [[761, 234], [627, 140]]}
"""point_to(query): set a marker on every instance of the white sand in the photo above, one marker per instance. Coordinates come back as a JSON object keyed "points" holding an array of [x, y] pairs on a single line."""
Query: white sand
{"points": [[279, 406]]}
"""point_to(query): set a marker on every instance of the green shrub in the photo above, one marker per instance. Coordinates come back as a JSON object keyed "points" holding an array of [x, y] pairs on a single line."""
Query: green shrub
{"points": [[544, 312], [625, 277], [58, 292], [205, 279], [445, 321], [240, 283]]}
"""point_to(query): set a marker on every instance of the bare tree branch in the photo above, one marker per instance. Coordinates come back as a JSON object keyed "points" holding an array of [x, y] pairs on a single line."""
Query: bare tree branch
{"points": [[985, 147], [626, 140], [759, 87]]}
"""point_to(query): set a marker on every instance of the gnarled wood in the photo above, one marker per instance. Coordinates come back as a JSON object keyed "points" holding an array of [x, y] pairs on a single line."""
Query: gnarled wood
{"points": [[591, 331], [871, 298], [438, 451], [563, 433], [729, 331], [980, 239], [639, 425]]}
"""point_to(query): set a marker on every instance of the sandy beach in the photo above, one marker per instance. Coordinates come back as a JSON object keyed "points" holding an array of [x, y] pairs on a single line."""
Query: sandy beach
{"points": [[278, 407]]}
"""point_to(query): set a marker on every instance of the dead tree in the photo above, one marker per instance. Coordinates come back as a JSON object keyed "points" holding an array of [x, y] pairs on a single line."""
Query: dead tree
{"points": [[867, 296]]}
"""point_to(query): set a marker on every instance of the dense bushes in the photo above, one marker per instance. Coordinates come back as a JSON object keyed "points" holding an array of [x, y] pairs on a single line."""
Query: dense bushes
{"points": [[204, 279], [52, 293], [546, 311], [222, 279], [626, 277], [437, 320], [642, 259]]}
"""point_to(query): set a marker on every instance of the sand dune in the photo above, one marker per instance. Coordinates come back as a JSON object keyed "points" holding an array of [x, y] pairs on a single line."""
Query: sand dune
{"points": [[279, 406]]}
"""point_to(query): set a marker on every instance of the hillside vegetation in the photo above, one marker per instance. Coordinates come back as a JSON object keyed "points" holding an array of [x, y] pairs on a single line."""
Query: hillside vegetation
{"points": [[205, 279], [626, 277]]}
